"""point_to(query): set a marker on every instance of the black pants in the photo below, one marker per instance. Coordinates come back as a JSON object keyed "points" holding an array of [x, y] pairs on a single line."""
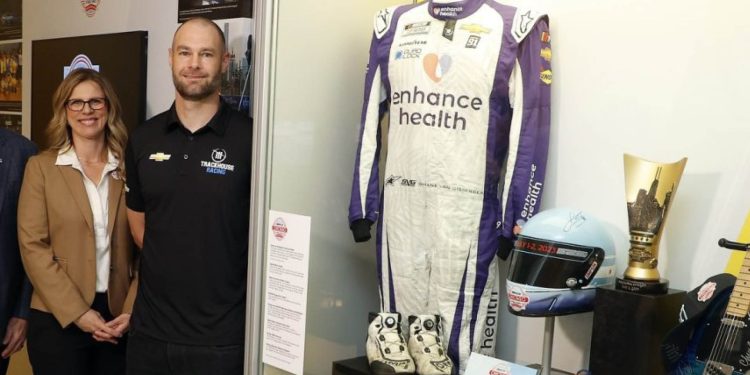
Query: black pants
{"points": [[69, 351], [149, 356], [3, 362]]}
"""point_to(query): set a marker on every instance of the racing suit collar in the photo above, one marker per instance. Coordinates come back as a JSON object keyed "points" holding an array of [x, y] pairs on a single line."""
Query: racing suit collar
{"points": [[453, 10]]}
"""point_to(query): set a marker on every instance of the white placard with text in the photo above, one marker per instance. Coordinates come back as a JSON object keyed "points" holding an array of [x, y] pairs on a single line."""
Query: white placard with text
{"points": [[287, 266], [483, 365]]}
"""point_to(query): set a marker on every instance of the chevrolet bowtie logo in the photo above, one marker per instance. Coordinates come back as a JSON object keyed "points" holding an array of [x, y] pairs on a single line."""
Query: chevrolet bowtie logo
{"points": [[159, 156], [476, 28]]}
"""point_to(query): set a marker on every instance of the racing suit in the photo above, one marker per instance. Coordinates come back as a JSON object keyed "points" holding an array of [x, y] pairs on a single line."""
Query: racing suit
{"points": [[467, 88]]}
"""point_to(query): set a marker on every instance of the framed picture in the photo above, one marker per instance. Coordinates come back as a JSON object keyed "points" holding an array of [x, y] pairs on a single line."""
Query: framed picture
{"points": [[10, 19], [10, 77], [11, 121], [214, 9]]}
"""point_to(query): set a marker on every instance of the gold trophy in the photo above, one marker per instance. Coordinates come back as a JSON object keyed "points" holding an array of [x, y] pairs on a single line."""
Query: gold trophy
{"points": [[650, 190]]}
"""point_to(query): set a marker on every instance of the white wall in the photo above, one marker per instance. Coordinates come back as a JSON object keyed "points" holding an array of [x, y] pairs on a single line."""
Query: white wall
{"points": [[658, 79], [46, 19], [661, 80]]}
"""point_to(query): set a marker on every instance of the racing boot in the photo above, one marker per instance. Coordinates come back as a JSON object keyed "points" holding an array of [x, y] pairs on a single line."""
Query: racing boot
{"points": [[426, 345], [386, 347]]}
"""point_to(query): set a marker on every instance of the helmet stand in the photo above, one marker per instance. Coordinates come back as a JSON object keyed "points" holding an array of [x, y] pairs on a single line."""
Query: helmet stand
{"points": [[545, 368]]}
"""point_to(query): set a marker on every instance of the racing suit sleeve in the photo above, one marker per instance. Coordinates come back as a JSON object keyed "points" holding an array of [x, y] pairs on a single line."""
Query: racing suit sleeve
{"points": [[529, 84], [363, 206]]}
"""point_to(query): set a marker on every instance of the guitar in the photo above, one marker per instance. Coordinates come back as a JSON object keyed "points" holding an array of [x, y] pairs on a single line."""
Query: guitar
{"points": [[719, 333]]}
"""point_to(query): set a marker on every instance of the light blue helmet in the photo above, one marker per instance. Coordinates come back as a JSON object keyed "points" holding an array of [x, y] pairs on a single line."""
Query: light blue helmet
{"points": [[559, 258]]}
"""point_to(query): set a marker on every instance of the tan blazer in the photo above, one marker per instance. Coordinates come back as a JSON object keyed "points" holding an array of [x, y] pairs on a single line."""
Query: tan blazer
{"points": [[56, 237]]}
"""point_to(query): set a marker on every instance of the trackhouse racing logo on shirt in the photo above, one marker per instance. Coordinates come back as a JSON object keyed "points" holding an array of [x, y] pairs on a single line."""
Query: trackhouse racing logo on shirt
{"points": [[217, 165]]}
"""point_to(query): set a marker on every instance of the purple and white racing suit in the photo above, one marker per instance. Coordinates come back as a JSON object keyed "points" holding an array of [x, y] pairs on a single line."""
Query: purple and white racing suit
{"points": [[467, 88]]}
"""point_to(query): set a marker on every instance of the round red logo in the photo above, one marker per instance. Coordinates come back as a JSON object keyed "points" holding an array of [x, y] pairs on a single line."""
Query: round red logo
{"points": [[517, 298], [279, 229], [706, 291]]}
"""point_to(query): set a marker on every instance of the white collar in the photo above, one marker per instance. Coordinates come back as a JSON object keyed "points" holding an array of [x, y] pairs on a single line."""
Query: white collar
{"points": [[69, 157]]}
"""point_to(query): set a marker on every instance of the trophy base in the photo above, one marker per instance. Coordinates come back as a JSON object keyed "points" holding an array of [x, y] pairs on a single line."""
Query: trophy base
{"points": [[628, 330], [642, 286]]}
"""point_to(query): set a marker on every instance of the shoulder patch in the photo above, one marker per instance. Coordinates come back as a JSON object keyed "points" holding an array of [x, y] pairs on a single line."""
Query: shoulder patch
{"points": [[382, 21], [524, 21]]}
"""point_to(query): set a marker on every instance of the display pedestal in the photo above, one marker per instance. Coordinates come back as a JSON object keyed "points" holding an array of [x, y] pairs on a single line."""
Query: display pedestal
{"points": [[628, 330], [354, 366]]}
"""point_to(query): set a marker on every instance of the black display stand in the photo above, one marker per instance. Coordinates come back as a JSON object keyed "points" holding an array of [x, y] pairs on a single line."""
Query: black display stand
{"points": [[354, 366], [628, 330]]}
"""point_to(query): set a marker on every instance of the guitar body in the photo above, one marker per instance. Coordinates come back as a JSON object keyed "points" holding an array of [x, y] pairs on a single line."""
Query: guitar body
{"points": [[719, 344]]}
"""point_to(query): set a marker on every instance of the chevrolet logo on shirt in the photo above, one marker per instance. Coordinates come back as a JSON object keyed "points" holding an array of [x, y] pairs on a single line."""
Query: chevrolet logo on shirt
{"points": [[476, 28], [159, 156]]}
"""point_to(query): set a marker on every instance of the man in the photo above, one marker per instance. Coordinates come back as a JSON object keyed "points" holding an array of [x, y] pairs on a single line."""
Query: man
{"points": [[188, 197], [15, 289]]}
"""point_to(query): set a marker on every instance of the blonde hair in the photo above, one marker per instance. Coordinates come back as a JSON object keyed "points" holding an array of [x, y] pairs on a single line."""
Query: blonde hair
{"points": [[115, 132]]}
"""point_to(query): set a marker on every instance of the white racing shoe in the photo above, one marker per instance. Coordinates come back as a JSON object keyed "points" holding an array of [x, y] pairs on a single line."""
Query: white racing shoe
{"points": [[386, 347], [426, 345]]}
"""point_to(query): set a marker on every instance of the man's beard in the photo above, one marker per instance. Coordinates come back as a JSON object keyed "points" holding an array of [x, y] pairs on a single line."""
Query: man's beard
{"points": [[196, 93]]}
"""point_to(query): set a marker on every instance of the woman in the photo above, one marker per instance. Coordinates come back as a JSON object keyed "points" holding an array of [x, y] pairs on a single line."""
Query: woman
{"points": [[74, 236]]}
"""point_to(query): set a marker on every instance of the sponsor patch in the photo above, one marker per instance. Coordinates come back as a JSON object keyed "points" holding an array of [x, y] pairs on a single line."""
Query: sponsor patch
{"points": [[447, 11], [436, 66], [706, 291], [217, 165], [416, 28], [475, 28], [518, 299], [590, 272], [546, 76], [159, 156], [473, 41], [408, 53], [546, 53], [448, 29], [546, 38], [413, 43]]}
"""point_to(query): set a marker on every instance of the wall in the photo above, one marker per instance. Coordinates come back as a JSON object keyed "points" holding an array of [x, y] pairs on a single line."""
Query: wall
{"points": [[56, 19], [661, 80]]}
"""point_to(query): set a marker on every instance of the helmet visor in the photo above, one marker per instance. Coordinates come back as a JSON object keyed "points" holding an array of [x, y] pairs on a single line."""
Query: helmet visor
{"points": [[550, 264]]}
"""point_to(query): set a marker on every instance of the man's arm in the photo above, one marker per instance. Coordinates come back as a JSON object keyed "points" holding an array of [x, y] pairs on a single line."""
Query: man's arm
{"points": [[15, 336], [137, 222]]}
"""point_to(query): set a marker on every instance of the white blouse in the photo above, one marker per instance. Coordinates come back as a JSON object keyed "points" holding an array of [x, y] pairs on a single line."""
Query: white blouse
{"points": [[97, 194]]}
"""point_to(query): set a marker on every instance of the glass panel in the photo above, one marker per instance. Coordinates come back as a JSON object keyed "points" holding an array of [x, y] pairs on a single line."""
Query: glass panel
{"points": [[320, 59]]}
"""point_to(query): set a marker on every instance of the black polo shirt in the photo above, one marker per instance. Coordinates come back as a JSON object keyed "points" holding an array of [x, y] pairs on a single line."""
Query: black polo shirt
{"points": [[195, 192]]}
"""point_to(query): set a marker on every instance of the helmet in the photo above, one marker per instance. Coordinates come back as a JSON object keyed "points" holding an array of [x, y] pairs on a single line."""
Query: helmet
{"points": [[559, 258]]}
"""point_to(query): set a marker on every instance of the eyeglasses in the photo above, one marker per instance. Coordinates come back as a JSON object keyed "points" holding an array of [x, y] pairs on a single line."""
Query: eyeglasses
{"points": [[78, 104]]}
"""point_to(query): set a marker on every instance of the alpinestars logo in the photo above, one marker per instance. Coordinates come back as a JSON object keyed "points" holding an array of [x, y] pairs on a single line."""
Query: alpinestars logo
{"points": [[382, 21]]}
